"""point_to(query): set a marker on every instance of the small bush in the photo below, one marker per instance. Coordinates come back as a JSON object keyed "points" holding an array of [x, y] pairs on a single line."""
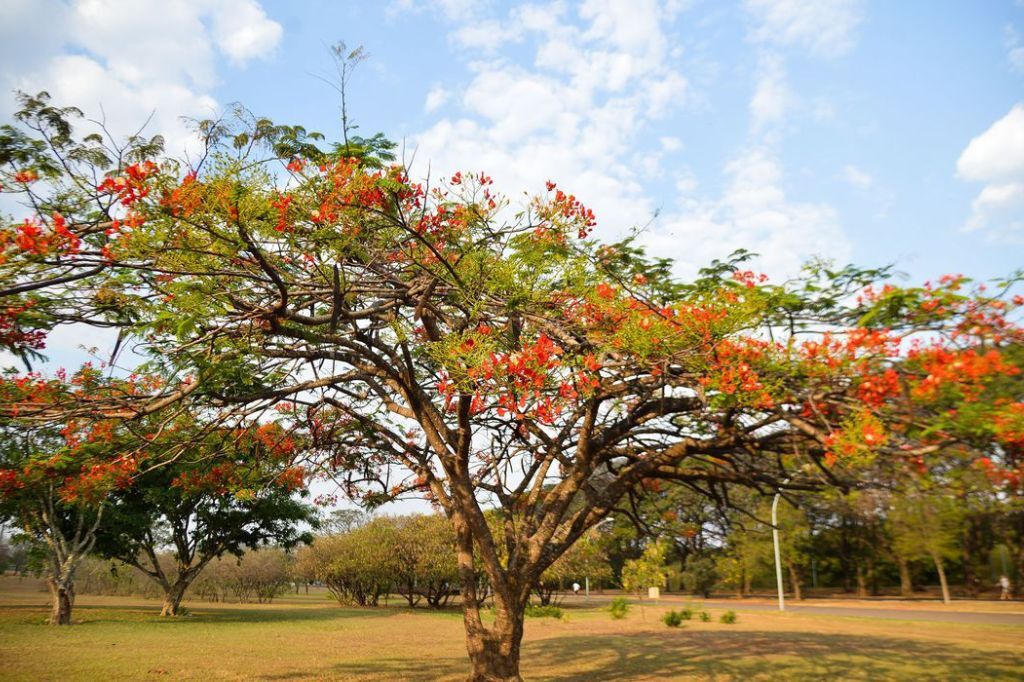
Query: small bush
{"points": [[674, 619], [729, 617], [705, 617], [686, 613], [548, 611], [619, 608]]}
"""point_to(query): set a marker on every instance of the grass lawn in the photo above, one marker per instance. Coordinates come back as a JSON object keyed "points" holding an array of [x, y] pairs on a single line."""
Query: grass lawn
{"points": [[309, 637]]}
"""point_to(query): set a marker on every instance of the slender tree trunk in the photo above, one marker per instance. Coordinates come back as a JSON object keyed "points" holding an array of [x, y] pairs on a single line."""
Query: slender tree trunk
{"points": [[906, 583], [794, 580], [862, 581], [942, 578], [62, 592]]}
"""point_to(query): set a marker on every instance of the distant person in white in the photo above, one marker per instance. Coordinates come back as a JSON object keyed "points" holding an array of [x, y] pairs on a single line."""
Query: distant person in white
{"points": [[1004, 586], [575, 588]]}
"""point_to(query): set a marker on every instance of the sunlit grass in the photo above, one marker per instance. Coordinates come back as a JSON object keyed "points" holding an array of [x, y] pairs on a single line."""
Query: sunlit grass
{"points": [[310, 637]]}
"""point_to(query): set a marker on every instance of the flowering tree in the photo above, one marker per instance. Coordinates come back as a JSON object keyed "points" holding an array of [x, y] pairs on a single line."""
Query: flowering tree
{"points": [[439, 341], [54, 481], [228, 493]]}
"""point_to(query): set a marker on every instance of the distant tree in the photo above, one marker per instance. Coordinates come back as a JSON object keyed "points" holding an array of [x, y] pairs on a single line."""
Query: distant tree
{"points": [[339, 521], [55, 484], [358, 567], [699, 576], [586, 559], [426, 566], [647, 571], [232, 492], [926, 523]]}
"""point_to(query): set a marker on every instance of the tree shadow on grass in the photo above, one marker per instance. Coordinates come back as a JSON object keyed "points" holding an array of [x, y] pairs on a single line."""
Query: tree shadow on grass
{"points": [[94, 614], [740, 655], [765, 655]]}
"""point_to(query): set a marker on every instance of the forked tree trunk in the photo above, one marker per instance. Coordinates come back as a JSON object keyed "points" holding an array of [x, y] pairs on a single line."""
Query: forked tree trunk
{"points": [[906, 584], [494, 651], [942, 578], [63, 595], [173, 594]]}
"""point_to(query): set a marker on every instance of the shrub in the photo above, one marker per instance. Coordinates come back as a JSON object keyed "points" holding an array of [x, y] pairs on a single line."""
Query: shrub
{"points": [[619, 608], [674, 619], [705, 617], [729, 617], [686, 613], [543, 611]]}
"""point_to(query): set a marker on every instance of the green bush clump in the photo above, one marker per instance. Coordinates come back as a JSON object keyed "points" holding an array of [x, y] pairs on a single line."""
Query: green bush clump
{"points": [[619, 608], [674, 619], [729, 617], [548, 611], [705, 617], [686, 613]]}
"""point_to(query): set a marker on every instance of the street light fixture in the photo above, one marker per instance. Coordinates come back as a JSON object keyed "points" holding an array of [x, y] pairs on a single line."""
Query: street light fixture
{"points": [[775, 540]]}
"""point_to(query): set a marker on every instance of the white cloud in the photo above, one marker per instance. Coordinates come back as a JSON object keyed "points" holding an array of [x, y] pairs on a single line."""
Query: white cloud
{"points": [[857, 177], [825, 27], [753, 213], [597, 79], [436, 98], [123, 60], [996, 158], [772, 95], [243, 31], [998, 153], [580, 112], [1014, 49]]}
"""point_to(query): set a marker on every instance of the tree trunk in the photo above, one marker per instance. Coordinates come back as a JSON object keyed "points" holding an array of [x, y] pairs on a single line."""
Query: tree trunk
{"points": [[942, 578], [494, 651], [173, 596], [794, 580], [63, 595], [906, 584], [862, 581]]}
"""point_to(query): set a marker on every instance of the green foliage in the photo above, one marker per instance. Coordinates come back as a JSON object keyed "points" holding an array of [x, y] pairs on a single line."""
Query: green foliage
{"points": [[618, 608], [648, 570], [729, 618], [674, 619], [704, 616], [414, 555], [543, 611], [700, 575]]}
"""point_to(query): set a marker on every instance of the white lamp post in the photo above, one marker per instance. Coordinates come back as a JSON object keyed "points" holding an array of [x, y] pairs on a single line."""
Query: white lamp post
{"points": [[775, 539]]}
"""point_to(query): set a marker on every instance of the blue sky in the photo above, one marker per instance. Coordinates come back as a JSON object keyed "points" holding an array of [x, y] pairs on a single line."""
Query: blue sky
{"points": [[857, 130], [835, 128]]}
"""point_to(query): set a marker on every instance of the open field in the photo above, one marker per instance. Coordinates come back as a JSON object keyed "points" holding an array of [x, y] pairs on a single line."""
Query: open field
{"points": [[309, 637]]}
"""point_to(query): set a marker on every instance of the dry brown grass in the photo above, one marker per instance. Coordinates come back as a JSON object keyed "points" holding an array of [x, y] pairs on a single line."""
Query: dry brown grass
{"points": [[304, 637]]}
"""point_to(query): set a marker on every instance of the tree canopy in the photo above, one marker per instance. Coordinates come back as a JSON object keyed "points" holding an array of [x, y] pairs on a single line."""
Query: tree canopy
{"points": [[437, 339]]}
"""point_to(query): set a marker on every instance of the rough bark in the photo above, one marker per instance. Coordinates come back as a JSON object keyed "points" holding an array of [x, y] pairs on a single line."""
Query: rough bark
{"points": [[494, 651], [173, 596], [62, 592]]}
